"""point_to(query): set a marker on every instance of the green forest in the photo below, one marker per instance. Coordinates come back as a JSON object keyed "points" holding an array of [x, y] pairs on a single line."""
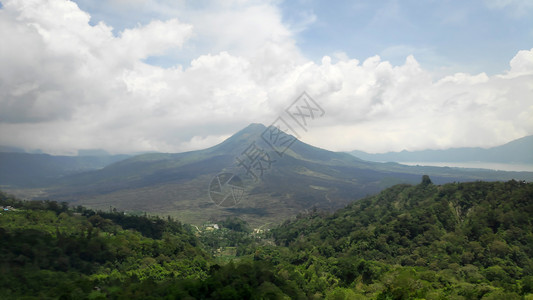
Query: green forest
{"points": [[454, 241]]}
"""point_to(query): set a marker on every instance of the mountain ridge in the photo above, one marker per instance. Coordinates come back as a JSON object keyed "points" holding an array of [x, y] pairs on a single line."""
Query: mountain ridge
{"points": [[516, 151]]}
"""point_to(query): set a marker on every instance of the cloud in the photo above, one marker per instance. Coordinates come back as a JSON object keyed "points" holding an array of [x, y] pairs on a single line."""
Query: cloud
{"points": [[67, 83], [59, 70], [55, 63], [402, 108], [152, 39], [521, 64]]}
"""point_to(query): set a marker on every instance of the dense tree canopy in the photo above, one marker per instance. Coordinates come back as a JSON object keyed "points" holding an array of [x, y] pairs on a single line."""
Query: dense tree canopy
{"points": [[455, 241]]}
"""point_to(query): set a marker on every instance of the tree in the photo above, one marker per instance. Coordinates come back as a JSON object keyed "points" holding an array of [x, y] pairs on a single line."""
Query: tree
{"points": [[426, 180]]}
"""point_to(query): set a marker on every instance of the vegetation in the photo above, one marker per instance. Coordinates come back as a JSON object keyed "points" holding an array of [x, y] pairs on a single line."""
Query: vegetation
{"points": [[48, 250], [466, 240], [455, 241]]}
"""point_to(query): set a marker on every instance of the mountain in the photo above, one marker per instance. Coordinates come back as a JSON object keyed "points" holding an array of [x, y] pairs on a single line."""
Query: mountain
{"points": [[276, 187], [92, 152], [11, 149], [517, 152], [35, 170]]}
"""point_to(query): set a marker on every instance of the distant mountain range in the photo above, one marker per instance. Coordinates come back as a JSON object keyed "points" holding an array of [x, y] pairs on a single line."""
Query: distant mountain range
{"points": [[179, 184], [35, 170], [519, 151]]}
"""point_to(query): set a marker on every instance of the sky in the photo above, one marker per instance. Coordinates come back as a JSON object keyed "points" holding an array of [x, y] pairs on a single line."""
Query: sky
{"points": [[129, 76]]}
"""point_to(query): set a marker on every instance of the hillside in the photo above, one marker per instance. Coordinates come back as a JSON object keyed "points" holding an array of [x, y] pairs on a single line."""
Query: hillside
{"points": [[460, 241], [454, 241], [515, 152], [51, 251], [37, 170], [301, 178]]}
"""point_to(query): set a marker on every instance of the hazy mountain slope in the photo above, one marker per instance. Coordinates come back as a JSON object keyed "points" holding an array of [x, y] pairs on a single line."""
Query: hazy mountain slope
{"points": [[11, 149], [29, 170], [517, 151]]}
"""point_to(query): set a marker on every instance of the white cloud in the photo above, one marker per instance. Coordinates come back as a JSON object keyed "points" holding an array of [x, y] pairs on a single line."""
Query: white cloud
{"points": [[66, 85], [153, 38], [522, 63], [405, 109]]}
